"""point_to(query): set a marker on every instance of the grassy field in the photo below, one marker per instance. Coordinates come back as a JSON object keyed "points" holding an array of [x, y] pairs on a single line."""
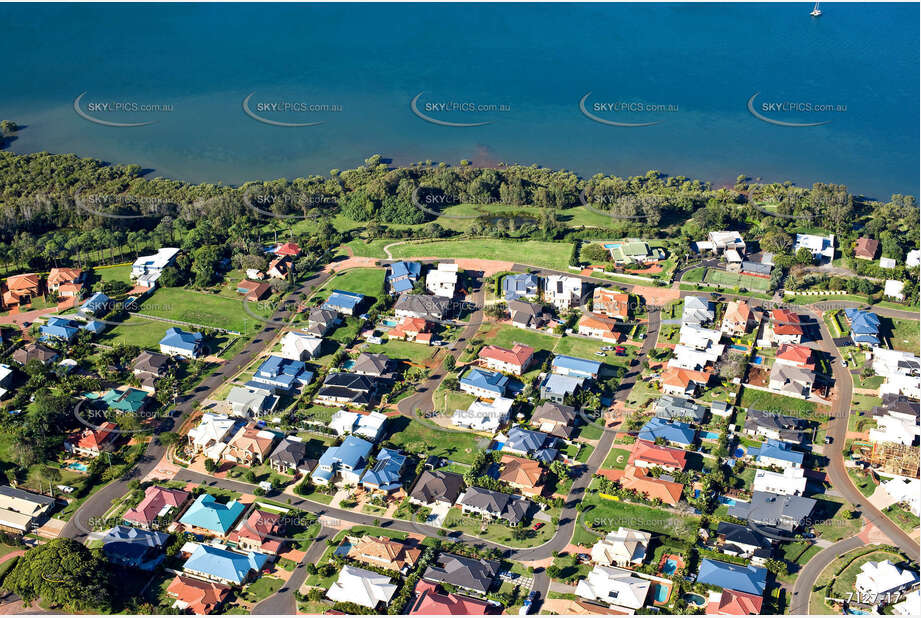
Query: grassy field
{"points": [[862, 481], [136, 331], [770, 402], [735, 280], [547, 254], [903, 334], [422, 438], [415, 353], [367, 281], [903, 518], [209, 310]]}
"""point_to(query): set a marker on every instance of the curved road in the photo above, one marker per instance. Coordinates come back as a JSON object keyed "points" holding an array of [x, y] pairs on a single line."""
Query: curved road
{"points": [[805, 579]]}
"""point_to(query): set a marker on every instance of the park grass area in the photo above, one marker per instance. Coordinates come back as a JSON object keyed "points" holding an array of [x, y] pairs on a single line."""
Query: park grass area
{"points": [[448, 401], [904, 335], [209, 310], [903, 518], [695, 275], [736, 280], [885, 304], [537, 253], [424, 439], [413, 353], [771, 402], [616, 459], [367, 281], [362, 247]]}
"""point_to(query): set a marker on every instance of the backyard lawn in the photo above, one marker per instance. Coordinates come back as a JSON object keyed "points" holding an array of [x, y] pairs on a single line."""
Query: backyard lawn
{"points": [[548, 254], [497, 530]]}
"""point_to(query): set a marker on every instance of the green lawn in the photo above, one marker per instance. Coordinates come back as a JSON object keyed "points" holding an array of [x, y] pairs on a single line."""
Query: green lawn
{"points": [[863, 482], [375, 248], [367, 281], [136, 331], [114, 273], [261, 589], [903, 334], [537, 253], [617, 459], [498, 531], [448, 401], [418, 437], [761, 400], [844, 583], [396, 349], [695, 275], [211, 310], [736, 280], [507, 336], [610, 515], [903, 518]]}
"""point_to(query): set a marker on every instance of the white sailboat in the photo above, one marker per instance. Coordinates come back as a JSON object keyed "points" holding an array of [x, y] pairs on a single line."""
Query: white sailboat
{"points": [[816, 11]]}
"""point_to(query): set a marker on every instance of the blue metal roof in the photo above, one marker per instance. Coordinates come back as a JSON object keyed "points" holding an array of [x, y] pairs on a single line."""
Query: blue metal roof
{"points": [[206, 512], [178, 338], [401, 285], [344, 300], [777, 449], [577, 365], [386, 471], [223, 564], [864, 325], [679, 433], [749, 579], [352, 453], [516, 286], [486, 380], [405, 269]]}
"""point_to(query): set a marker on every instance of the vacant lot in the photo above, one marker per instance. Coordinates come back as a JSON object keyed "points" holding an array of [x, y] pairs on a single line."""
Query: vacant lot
{"points": [[367, 281], [903, 334], [137, 331], [761, 400], [548, 254], [209, 310], [424, 439], [415, 353]]}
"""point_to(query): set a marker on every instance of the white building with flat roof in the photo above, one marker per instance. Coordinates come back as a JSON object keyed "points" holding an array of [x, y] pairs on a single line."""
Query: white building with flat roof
{"points": [[822, 248], [442, 281], [790, 482]]}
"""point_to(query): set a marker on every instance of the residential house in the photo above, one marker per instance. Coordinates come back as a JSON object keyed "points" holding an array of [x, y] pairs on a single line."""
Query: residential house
{"points": [[442, 281], [250, 446], [864, 327], [290, 456], [347, 303], [385, 475], [738, 319], [516, 287], [913, 258], [149, 367], [696, 337], [321, 321], [209, 517], [896, 428], [735, 540], [344, 463], [911, 605], [158, 502], [21, 289], [748, 579], [253, 291], [555, 387], [482, 383], [734, 260], [178, 342], [633, 252], [378, 366], [894, 289], [417, 330], [887, 263], [612, 303], [721, 409], [21, 510], [527, 315], [622, 547], [67, 282], [673, 432], [282, 375], [97, 304], [437, 488], [776, 453], [289, 248], [901, 370], [679, 408], [428, 601], [494, 505], [647, 454], [362, 587], [300, 346], [427, 307], [556, 419], [536, 444], [247, 401], [787, 513], [574, 366], [724, 240], [148, 268], [197, 596], [733, 603], [790, 482], [343, 388], [615, 587], [822, 248], [866, 248], [634, 478], [57, 328], [134, 547], [525, 475], [403, 276], [515, 361], [226, 567], [369, 426], [791, 381], [475, 574], [92, 442], [677, 381], [280, 267], [35, 352], [487, 416], [877, 579], [697, 310], [384, 553], [796, 356], [260, 532], [211, 435], [785, 327], [598, 327], [564, 292], [131, 400], [760, 424]]}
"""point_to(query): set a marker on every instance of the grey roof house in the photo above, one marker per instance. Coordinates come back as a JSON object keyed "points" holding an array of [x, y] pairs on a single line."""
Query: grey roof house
{"points": [[473, 574]]}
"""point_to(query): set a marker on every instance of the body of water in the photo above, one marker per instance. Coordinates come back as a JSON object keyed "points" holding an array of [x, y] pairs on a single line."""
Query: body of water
{"points": [[690, 68]]}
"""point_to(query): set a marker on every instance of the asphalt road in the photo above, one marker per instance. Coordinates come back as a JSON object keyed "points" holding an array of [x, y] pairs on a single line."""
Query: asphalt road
{"points": [[283, 603], [805, 579]]}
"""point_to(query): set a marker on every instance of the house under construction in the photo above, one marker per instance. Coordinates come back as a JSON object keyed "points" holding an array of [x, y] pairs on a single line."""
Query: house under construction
{"points": [[898, 459]]}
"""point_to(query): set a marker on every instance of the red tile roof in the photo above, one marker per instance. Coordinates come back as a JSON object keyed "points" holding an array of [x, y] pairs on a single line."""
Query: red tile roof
{"points": [[519, 355], [93, 439], [202, 597], [431, 602], [155, 498], [289, 248], [735, 603], [636, 479], [866, 248], [786, 322], [611, 302], [652, 453], [260, 526], [58, 276], [23, 283], [799, 354]]}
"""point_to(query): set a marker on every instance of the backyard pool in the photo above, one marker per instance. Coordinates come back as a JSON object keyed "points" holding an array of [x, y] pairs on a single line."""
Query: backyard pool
{"points": [[758, 360], [348, 364], [660, 593], [695, 599], [735, 346], [670, 566], [727, 501], [389, 322], [78, 466], [611, 245], [709, 435], [343, 549], [740, 452]]}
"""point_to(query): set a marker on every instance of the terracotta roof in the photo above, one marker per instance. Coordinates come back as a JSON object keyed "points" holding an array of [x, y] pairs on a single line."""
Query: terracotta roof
{"points": [[520, 471], [289, 248], [383, 550], [735, 603], [70, 287], [23, 283], [255, 290], [260, 526], [636, 479], [58, 276], [738, 311], [409, 326], [675, 376], [652, 453], [611, 302], [200, 596], [433, 603], [590, 320], [866, 248], [155, 499], [786, 322], [518, 355], [799, 354], [93, 439], [249, 441]]}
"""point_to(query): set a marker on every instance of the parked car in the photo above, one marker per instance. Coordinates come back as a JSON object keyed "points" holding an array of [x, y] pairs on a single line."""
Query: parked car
{"points": [[538, 525], [601, 354], [620, 351]]}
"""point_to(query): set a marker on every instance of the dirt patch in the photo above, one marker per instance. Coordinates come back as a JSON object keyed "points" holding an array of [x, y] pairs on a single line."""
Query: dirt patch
{"points": [[489, 267], [658, 297]]}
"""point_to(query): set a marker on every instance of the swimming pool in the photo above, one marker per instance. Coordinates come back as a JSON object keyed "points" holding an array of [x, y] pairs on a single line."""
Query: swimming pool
{"points": [[758, 360], [669, 567], [709, 435], [348, 364], [740, 452], [78, 466], [389, 322], [695, 599], [660, 593], [727, 501], [611, 245], [735, 346]]}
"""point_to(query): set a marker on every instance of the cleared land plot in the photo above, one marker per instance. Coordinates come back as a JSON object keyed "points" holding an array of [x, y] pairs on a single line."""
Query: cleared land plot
{"points": [[421, 438], [761, 400], [209, 310], [548, 254], [367, 281], [415, 353], [903, 334], [136, 331]]}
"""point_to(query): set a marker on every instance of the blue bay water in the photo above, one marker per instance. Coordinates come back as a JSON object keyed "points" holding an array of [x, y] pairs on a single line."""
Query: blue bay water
{"points": [[706, 60]]}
